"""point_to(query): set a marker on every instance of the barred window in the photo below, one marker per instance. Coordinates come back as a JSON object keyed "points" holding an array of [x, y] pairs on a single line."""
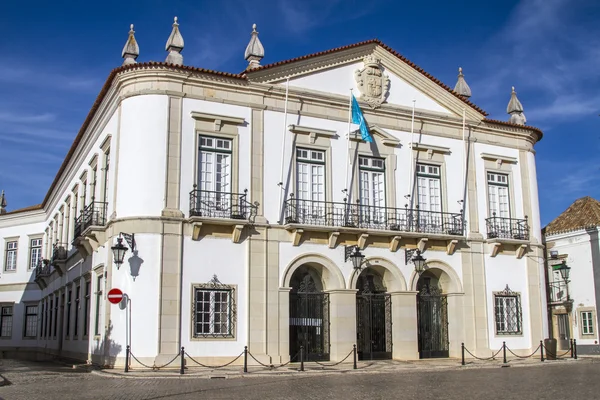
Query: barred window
{"points": [[507, 309], [214, 310], [31, 321], [6, 321], [587, 324]]}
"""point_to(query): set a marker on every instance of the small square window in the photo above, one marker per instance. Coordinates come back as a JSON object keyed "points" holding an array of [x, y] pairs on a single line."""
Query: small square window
{"points": [[214, 311]]}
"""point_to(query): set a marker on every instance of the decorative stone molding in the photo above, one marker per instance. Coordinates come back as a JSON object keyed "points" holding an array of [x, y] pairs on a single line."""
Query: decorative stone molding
{"points": [[218, 119], [451, 247], [362, 240], [422, 244], [333, 239], [312, 132], [395, 243], [496, 247], [297, 236], [236, 234], [521, 250], [498, 158], [372, 82], [430, 149]]}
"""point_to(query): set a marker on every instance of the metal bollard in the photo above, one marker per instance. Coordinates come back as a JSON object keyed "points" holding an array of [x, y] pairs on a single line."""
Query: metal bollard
{"points": [[462, 351], [354, 356], [571, 348], [504, 351], [127, 350], [182, 366], [301, 358], [542, 350], [245, 358], [575, 348]]}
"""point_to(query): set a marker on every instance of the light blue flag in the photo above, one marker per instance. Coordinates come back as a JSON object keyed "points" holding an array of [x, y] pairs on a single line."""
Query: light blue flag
{"points": [[359, 119]]}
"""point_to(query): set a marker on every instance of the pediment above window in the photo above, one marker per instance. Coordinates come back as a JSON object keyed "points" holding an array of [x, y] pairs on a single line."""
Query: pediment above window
{"points": [[219, 120], [312, 132]]}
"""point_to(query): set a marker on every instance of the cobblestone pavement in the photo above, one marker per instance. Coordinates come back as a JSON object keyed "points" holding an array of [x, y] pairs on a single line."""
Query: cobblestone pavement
{"points": [[554, 380]]}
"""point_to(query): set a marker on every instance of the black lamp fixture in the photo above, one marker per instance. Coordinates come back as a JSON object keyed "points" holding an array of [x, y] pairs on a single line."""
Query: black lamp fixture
{"points": [[119, 249], [415, 256], [564, 270], [353, 253]]}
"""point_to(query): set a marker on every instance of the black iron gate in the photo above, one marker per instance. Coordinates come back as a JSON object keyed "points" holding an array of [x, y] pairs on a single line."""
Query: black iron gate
{"points": [[309, 325], [432, 320], [374, 326]]}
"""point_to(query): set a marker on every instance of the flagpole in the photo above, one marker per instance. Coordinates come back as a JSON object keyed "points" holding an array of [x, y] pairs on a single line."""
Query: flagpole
{"points": [[285, 128], [348, 147], [464, 151], [412, 162]]}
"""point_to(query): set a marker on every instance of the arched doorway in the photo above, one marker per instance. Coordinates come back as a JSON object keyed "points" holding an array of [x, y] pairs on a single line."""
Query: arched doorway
{"points": [[373, 317], [309, 315], [432, 315]]}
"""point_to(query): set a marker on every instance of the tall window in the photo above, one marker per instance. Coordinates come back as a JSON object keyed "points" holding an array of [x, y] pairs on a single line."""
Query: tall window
{"points": [[106, 176], [77, 294], [310, 175], [43, 319], [98, 305], [6, 321], [68, 316], [74, 209], [372, 188], [55, 316], [429, 191], [587, 324], [498, 195], [214, 168], [86, 311], [507, 309], [10, 259], [93, 183], [35, 252], [84, 194], [49, 319], [31, 321], [214, 311]]}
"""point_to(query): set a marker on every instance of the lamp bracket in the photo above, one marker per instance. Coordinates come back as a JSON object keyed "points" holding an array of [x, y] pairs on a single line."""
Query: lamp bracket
{"points": [[130, 239], [408, 255], [348, 251]]}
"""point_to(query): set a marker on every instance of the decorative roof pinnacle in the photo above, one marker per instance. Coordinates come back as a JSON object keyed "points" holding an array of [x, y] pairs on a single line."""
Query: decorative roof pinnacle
{"points": [[461, 87], [131, 50], [515, 109], [254, 51], [2, 203], [175, 45]]}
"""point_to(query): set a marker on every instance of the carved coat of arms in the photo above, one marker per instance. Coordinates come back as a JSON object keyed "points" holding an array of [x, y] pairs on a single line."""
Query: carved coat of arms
{"points": [[372, 82]]}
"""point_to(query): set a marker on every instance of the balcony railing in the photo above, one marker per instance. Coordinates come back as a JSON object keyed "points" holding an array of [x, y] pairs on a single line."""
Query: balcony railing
{"points": [[507, 228], [356, 215], [42, 269], [94, 214], [59, 253], [205, 203], [558, 292]]}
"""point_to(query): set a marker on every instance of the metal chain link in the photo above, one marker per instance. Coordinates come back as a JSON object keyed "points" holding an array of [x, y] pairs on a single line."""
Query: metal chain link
{"points": [[214, 367], [549, 353], [153, 367], [531, 355], [337, 363], [483, 359]]}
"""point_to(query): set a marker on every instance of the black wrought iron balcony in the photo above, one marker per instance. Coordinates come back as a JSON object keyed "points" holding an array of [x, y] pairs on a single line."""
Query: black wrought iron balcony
{"points": [[558, 292], [42, 269], [507, 228], [212, 204], [94, 214], [59, 253], [357, 215]]}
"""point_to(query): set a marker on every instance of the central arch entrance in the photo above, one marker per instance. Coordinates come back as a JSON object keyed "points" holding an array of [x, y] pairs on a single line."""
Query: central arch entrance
{"points": [[373, 317], [309, 315], [432, 316]]}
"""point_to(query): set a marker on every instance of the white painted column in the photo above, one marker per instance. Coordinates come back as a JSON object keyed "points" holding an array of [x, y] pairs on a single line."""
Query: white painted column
{"points": [[404, 326], [284, 324], [456, 324], [342, 327]]}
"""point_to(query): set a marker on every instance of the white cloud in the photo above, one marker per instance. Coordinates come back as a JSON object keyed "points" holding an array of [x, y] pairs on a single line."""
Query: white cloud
{"points": [[26, 118]]}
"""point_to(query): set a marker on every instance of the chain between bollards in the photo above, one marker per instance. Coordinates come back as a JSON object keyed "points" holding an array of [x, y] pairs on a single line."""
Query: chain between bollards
{"points": [[182, 366], [301, 358], [504, 352], [575, 348], [354, 356], [541, 350], [462, 351], [127, 358], [245, 358]]}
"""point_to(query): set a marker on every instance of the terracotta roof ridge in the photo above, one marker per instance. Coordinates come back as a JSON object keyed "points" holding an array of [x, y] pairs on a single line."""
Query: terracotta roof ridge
{"points": [[507, 123], [24, 209]]}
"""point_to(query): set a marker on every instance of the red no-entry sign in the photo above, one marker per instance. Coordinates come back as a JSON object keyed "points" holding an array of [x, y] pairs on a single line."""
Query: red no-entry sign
{"points": [[115, 295]]}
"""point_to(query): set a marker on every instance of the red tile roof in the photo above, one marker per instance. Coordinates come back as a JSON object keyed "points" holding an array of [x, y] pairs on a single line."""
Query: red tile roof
{"points": [[583, 213], [506, 123], [24, 209]]}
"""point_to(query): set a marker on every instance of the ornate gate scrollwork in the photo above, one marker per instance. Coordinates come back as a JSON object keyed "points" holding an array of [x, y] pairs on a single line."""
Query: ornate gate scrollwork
{"points": [[373, 321], [432, 320]]}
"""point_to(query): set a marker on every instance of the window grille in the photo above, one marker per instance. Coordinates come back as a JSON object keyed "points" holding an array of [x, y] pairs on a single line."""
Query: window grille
{"points": [[213, 310], [507, 309]]}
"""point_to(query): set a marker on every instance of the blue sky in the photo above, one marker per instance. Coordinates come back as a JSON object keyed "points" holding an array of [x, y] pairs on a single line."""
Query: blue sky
{"points": [[56, 56]]}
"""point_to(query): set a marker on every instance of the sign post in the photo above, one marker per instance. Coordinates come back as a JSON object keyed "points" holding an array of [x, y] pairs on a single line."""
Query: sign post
{"points": [[116, 296]]}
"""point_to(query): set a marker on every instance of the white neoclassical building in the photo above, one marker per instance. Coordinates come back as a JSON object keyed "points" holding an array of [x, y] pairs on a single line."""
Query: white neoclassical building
{"points": [[255, 213]]}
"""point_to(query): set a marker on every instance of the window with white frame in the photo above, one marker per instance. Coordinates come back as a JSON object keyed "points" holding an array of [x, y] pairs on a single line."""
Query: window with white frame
{"points": [[86, 311], [372, 188], [214, 164], [106, 175], [587, 323], [6, 321], [98, 305], [498, 198], [77, 301], [429, 192], [507, 311], [214, 311], [10, 259], [35, 252], [31, 321]]}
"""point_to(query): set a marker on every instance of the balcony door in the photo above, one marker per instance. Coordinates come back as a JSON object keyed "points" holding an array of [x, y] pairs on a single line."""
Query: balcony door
{"points": [[429, 196], [372, 190], [214, 173], [310, 186], [498, 195]]}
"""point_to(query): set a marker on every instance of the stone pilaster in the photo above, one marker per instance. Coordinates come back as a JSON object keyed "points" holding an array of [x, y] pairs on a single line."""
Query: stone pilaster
{"points": [[257, 162], [342, 326], [404, 326], [284, 324], [172, 184], [257, 287], [456, 331]]}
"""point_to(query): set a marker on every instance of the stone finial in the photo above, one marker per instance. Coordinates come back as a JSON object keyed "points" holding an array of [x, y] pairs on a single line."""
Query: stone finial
{"points": [[254, 51], [515, 109], [2, 203], [462, 88], [175, 45], [131, 50]]}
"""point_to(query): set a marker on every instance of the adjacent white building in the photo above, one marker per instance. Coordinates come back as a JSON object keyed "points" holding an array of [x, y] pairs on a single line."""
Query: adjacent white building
{"points": [[573, 245], [240, 197]]}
